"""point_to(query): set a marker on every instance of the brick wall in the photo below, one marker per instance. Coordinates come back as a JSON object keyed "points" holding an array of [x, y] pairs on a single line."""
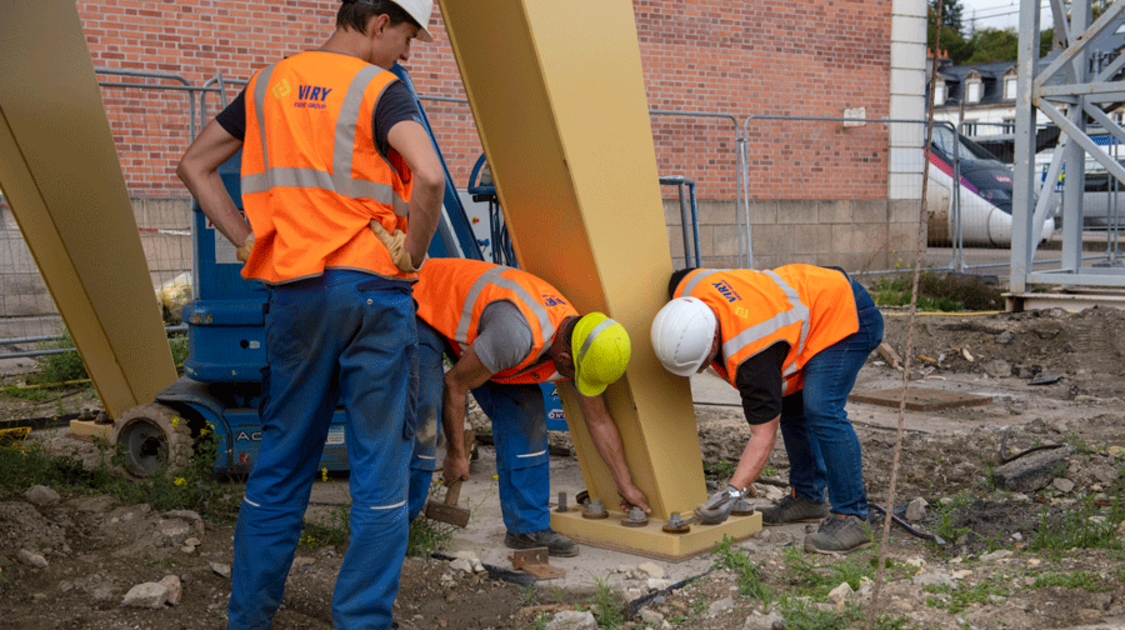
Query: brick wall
{"points": [[738, 58]]}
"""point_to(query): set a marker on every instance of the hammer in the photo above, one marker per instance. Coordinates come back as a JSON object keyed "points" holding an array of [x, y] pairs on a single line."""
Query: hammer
{"points": [[448, 512]]}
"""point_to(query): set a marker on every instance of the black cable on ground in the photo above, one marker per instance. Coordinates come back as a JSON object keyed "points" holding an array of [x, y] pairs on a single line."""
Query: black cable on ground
{"points": [[37, 424], [636, 605], [1004, 459], [907, 526], [498, 573]]}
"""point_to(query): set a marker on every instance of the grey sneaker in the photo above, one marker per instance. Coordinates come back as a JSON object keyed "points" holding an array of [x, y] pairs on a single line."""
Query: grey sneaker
{"points": [[556, 544], [794, 509], [839, 534]]}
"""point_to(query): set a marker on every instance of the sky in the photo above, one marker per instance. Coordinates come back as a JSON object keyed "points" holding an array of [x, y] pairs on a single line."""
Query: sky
{"points": [[1000, 14]]}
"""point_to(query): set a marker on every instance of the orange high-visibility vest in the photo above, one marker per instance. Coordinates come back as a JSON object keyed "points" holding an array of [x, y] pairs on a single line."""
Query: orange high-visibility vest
{"points": [[809, 307], [312, 179], [453, 292]]}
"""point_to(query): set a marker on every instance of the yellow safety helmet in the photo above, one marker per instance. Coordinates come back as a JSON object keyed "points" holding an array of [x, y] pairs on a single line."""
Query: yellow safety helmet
{"points": [[601, 349]]}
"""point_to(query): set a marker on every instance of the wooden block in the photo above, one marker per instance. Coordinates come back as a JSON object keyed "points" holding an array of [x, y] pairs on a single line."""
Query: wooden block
{"points": [[919, 399], [88, 429]]}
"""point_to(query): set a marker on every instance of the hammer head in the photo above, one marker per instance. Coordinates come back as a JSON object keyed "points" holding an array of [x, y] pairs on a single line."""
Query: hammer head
{"points": [[448, 512]]}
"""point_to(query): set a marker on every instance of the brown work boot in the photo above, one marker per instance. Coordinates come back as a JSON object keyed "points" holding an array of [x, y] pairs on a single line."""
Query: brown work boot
{"points": [[556, 544]]}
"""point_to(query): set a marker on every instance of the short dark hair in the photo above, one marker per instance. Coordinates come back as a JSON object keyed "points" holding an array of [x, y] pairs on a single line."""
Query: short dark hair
{"points": [[355, 14], [676, 279]]}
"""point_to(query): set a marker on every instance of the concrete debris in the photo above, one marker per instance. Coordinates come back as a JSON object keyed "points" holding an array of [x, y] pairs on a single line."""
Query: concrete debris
{"points": [[1062, 484], [720, 606], [1005, 337], [841, 593], [221, 569], [572, 620], [999, 554], [41, 495], [916, 509], [475, 565], [1033, 471], [31, 558], [758, 621], [175, 589], [146, 595], [651, 569]]}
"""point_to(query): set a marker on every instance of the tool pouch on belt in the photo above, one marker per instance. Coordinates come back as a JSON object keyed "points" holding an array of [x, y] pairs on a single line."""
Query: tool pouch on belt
{"points": [[396, 245]]}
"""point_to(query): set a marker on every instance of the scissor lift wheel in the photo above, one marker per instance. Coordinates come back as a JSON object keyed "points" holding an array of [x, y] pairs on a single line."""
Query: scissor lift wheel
{"points": [[153, 438]]}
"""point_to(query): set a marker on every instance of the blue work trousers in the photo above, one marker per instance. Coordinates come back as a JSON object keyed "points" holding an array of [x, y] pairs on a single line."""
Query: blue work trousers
{"points": [[519, 433], [345, 337], [820, 441]]}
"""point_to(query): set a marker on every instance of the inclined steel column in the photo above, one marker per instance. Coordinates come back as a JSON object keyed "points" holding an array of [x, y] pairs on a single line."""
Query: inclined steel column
{"points": [[558, 96]]}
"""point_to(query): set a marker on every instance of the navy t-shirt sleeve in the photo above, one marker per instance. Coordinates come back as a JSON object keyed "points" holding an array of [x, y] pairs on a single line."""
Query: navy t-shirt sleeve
{"points": [[395, 105], [759, 382]]}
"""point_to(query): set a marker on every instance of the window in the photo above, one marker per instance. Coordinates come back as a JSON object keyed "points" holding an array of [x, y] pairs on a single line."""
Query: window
{"points": [[973, 95], [1010, 88], [939, 94]]}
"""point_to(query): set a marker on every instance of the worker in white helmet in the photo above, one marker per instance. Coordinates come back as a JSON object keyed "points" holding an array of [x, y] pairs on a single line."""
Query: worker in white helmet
{"points": [[792, 341]]}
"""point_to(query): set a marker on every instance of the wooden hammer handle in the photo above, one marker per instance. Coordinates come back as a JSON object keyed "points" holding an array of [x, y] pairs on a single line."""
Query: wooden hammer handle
{"points": [[453, 493]]}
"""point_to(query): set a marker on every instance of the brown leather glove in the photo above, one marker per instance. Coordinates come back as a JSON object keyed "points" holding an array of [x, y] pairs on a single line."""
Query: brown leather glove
{"points": [[245, 249], [396, 245]]}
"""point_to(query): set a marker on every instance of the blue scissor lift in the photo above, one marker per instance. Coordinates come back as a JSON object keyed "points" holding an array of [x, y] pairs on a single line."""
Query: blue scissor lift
{"points": [[226, 345]]}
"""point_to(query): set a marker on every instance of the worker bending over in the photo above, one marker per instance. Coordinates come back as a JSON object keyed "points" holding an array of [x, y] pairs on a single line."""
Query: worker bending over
{"points": [[335, 168], [508, 331], [792, 341]]}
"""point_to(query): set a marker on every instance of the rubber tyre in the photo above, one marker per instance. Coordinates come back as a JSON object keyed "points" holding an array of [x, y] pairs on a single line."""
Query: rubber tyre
{"points": [[153, 439]]}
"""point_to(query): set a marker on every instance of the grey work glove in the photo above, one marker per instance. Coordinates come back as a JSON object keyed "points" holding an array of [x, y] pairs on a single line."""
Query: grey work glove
{"points": [[396, 245], [717, 508]]}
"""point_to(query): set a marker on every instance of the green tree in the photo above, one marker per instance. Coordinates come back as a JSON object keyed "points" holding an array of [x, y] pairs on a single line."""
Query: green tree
{"points": [[993, 44], [950, 14]]}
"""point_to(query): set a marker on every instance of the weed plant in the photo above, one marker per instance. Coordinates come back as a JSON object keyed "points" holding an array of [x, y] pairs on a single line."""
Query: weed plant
{"points": [[1088, 527], [750, 585], [607, 608], [939, 292], [426, 535], [335, 532]]}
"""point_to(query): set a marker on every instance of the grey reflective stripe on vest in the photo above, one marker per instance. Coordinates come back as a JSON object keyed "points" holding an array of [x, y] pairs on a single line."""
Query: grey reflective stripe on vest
{"points": [[492, 276], [589, 340], [340, 179]]}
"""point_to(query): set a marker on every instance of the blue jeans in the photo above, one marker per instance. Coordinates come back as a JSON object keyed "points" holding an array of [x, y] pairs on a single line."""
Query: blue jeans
{"points": [[822, 446], [519, 432], [344, 337]]}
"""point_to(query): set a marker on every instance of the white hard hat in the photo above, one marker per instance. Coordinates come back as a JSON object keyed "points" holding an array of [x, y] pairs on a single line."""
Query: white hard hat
{"points": [[682, 334], [420, 10]]}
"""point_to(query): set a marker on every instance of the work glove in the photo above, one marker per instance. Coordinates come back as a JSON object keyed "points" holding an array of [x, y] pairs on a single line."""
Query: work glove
{"points": [[396, 245], [717, 508], [245, 248]]}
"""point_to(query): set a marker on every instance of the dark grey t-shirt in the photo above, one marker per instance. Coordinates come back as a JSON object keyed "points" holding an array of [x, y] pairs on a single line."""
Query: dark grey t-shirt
{"points": [[504, 337]]}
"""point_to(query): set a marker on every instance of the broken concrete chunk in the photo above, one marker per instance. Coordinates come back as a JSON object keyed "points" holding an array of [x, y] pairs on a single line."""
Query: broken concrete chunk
{"points": [[146, 595], [31, 558], [1033, 471], [41, 495]]}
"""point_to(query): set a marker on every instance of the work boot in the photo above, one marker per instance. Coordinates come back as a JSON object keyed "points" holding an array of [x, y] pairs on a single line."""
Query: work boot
{"points": [[556, 544], [839, 534], [794, 509]]}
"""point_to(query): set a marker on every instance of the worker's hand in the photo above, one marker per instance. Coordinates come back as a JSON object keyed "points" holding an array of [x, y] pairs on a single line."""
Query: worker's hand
{"points": [[396, 245], [455, 467], [245, 248], [631, 495], [717, 508]]}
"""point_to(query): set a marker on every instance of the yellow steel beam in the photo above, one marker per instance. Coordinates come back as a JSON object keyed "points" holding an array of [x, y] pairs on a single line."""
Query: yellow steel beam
{"points": [[60, 174], [558, 96]]}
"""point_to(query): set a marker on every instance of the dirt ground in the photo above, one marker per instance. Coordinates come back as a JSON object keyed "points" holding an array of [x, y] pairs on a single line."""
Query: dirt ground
{"points": [[1053, 378]]}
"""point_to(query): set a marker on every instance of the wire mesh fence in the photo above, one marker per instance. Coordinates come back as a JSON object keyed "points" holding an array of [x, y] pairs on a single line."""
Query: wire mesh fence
{"points": [[771, 189]]}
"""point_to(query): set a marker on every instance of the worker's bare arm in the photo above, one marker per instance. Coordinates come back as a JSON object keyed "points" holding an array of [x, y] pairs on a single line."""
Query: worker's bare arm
{"points": [[412, 142], [199, 170], [763, 437], [465, 375], [607, 439]]}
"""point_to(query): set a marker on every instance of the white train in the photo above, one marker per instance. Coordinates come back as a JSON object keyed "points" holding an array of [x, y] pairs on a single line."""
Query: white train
{"points": [[986, 194]]}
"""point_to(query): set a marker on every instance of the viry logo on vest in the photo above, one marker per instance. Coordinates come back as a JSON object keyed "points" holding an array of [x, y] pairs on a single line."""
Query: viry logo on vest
{"points": [[726, 291], [311, 96], [553, 300]]}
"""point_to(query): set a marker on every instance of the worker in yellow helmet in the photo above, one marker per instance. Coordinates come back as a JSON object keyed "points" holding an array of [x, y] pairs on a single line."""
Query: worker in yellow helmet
{"points": [[508, 331]]}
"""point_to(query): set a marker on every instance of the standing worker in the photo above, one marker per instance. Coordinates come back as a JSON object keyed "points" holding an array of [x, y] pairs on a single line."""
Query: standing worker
{"points": [[792, 341], [508, 331], [335, 167]]}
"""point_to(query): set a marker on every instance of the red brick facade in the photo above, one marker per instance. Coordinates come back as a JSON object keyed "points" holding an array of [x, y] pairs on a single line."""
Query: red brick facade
{"points": [[738, 58]]}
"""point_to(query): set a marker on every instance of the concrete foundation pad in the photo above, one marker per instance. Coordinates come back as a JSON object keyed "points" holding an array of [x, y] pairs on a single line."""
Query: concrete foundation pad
{"points": [[88, 429], [651, 540]]}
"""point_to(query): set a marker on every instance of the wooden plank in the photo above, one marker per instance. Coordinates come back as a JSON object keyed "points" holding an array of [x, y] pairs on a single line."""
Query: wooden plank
{"points": [[919, 399]]}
